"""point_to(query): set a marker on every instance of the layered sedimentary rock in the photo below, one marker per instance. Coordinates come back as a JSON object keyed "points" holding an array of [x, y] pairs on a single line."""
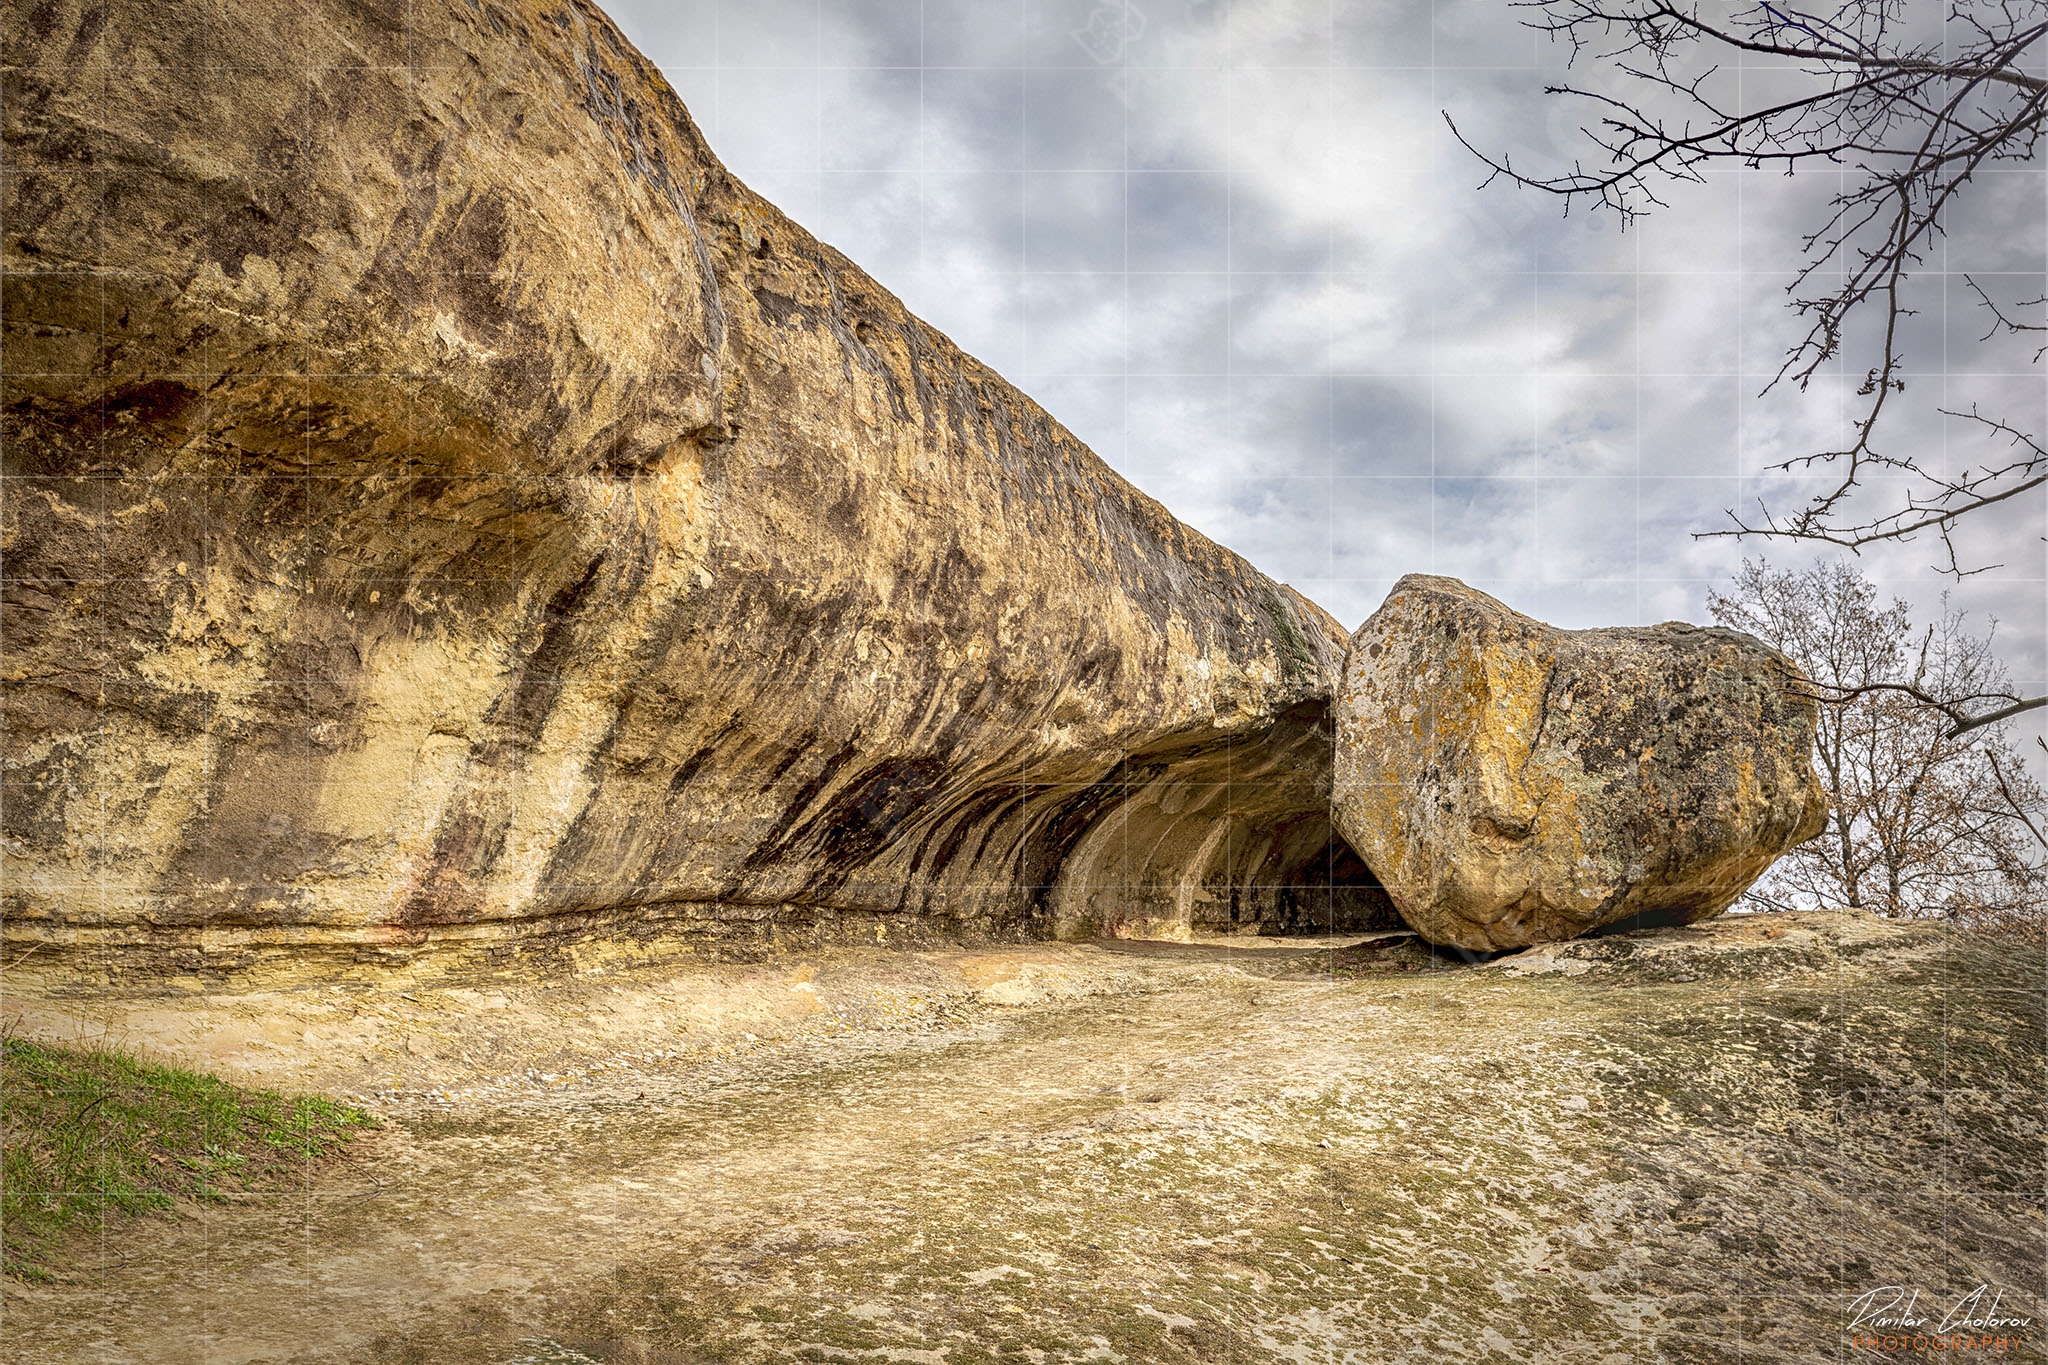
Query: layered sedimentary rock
{"points": [[442, 501], [1512, 783]]}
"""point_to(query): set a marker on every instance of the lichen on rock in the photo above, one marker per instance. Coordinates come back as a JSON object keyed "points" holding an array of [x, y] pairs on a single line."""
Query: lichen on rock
{"points": [[444, 504], [1513, 783]]}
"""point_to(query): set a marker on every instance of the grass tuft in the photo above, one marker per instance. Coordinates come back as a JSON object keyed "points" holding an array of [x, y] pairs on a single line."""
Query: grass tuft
{"points": [[88, 1133]]}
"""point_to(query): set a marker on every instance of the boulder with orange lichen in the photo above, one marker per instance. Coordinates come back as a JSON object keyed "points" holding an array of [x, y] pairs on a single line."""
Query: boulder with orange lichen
{"points": [[1513, 783]]}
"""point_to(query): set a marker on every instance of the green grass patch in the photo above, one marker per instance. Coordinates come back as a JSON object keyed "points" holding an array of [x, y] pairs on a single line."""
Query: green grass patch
{"points": [[89, 1132]]}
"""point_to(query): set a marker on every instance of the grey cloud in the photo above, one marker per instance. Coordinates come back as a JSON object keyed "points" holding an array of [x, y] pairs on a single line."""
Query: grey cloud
{"points": [[1236, 250]]}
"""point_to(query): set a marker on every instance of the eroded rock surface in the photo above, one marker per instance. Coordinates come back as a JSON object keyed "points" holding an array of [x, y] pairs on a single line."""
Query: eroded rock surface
{"points": [[1513, 783], [444, 503]]}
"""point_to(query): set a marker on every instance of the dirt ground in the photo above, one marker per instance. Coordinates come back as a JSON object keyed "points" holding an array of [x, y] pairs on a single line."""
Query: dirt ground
{"points": [[1688, 1145]]}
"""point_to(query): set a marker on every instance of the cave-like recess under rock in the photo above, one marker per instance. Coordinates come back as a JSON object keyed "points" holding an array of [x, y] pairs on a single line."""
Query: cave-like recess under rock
{"points": [[445, 505]]}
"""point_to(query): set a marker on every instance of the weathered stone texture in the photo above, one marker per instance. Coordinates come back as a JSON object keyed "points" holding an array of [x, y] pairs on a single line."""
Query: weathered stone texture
{"points": [[441, 500], [1513, 783]]}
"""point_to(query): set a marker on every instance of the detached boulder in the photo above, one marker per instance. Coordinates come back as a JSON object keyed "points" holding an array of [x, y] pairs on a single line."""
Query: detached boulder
{"points": [[1512, 783]]}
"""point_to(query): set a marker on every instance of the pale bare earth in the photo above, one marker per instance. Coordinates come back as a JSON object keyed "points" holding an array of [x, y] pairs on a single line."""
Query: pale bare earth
{"points": [[1692, 1144]]}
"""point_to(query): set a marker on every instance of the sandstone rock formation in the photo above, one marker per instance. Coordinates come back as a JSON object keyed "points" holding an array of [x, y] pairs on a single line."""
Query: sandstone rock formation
{"points": [[1513, 783], [443, 503]]}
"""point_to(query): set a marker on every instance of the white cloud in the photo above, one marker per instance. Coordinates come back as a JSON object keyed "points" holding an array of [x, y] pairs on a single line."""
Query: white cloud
{"points": [[1585, 398]]}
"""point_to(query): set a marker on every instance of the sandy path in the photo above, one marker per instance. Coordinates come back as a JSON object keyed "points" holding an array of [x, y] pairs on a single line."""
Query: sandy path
{"points": [[1198, 1154]]}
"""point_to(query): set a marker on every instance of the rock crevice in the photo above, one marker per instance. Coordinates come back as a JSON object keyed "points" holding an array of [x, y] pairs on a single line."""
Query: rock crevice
{"points": [[445, 503]]}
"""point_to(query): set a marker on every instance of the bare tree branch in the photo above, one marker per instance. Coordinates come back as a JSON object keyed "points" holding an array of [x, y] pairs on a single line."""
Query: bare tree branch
{"points": [[1908, 125], [1961, 722], [2013, 803]]}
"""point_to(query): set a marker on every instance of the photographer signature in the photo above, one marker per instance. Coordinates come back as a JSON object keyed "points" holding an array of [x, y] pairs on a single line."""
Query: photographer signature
{"points": [[1891, 1308]]}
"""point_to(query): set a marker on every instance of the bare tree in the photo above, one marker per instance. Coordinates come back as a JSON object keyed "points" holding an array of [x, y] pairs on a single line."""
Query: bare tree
{"points": [[1922, 821], [1906, 103]]}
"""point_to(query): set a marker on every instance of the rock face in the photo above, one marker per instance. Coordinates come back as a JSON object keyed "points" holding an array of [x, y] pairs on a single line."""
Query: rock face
{"points": [[1512, 783], [444, 504]]}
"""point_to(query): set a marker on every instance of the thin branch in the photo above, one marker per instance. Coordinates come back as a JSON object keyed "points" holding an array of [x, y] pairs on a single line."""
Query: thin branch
{"points": [[1992, 718], [1961, 722], [2017, 807], [1911, 126]]}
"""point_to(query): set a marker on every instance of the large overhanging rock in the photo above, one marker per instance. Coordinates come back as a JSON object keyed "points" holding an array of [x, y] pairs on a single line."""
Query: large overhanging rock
{"points": [[1513, 783], [445, 504]]}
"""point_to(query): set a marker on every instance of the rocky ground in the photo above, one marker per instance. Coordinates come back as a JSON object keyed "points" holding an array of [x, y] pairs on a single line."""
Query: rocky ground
{"points": [[1688, 1144]]}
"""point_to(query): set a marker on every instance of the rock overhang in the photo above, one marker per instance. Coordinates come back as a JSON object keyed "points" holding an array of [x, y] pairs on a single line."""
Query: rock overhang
{"points": [[508, 526]]}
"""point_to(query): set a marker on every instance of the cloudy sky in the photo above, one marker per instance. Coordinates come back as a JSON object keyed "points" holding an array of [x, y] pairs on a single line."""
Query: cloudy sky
{"points": [[1231, 244]]}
